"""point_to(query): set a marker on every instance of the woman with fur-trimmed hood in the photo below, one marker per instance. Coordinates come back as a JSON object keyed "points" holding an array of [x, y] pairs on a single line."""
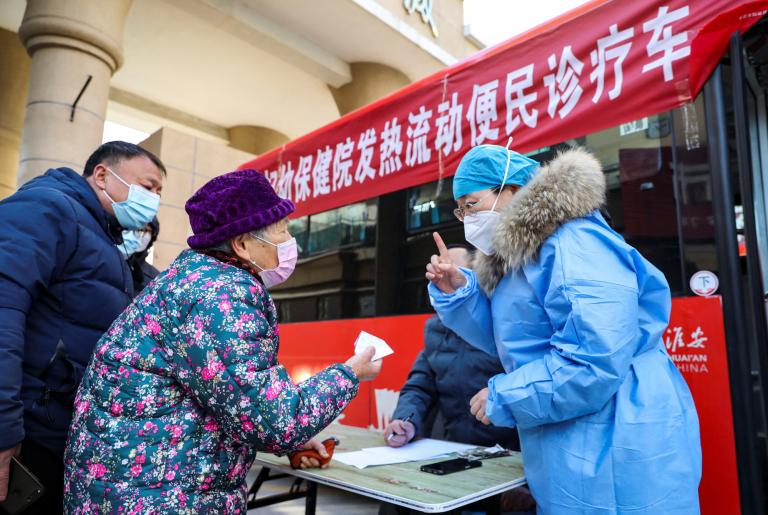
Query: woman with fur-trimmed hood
{"points": [[607, 424]]}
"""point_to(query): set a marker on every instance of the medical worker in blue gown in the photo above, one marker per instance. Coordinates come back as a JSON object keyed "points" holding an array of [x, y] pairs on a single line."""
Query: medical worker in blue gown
{"points": [[576, 315]]}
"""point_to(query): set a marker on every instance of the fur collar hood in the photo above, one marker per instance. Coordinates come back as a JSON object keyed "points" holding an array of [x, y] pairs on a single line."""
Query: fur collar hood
{"points": [[570, 186]]}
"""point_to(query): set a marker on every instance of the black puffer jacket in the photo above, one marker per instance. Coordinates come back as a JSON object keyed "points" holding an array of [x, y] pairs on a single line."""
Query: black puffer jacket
{"points": [[446, 375], [62, 284]]}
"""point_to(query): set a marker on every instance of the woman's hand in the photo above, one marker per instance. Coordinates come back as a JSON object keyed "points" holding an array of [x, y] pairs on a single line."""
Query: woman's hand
{"points": [[477, 406], [399, 432], [441, 271], [363, 367], [311, 463]]}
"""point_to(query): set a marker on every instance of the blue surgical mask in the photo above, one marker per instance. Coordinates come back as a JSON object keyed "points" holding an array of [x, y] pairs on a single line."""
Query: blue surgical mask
{"points": [[138, 209], [134, 242]]}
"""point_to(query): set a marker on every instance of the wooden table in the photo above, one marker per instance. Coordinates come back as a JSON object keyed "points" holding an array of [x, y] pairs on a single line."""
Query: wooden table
{"points": [[402, 484]]}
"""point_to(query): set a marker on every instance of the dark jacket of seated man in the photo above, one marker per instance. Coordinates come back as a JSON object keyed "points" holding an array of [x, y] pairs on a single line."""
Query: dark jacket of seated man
{"points": [[446, 375]]}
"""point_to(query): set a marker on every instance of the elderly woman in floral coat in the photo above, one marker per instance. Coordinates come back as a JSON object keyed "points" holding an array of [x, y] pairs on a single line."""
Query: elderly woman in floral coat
{"points": [[185, 387]]}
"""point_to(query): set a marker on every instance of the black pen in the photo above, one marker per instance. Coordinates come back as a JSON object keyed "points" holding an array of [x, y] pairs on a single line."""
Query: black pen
{"points": [[406, 419]]}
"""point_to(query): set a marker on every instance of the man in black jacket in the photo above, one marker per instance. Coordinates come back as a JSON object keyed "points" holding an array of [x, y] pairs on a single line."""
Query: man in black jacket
{"points": [[63, 282]]}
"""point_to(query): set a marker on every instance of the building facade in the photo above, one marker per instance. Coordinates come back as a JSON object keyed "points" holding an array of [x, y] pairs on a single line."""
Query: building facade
{"points": [[214, 81]]}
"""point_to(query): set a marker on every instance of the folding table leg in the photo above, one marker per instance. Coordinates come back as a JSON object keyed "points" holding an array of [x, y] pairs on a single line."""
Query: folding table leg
{"points": [[493, 505], [311, 501]]}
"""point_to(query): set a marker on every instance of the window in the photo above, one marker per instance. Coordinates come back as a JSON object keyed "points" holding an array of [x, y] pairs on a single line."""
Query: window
{"points": [[299, 229], [428, 207], [348, 225]]}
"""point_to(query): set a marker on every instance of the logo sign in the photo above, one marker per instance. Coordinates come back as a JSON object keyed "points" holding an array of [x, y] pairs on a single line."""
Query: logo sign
{"points": [[704, 283], [625, 129]]}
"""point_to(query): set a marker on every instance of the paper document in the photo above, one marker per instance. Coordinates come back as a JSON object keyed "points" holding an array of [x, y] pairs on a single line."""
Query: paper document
{"points": [[365, 340], [415, 451]]}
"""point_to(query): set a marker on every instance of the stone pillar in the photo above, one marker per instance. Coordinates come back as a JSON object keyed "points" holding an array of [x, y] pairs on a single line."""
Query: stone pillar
{"points": [[370, 81], [13, 92], [68, 42], [255, 140]]}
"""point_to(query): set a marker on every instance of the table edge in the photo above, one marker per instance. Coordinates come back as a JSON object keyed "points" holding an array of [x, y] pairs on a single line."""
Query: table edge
{"points": [[394, 499]]}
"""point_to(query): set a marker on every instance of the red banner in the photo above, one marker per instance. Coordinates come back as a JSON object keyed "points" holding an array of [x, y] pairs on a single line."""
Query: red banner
{"points": [[609, 63], [695, 339]]}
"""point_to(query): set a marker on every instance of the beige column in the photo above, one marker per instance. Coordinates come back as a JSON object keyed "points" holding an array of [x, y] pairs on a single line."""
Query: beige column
{"points": [[255, 140], [14, 64], [68, 42]]}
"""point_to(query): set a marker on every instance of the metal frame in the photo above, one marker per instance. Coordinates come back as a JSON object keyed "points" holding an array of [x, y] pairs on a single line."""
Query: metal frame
{"points": [[295, 492], [744, 159], [734, 314]]}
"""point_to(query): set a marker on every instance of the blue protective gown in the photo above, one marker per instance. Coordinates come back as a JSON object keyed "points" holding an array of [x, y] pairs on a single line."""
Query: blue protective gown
{"points": [[607, 424]]}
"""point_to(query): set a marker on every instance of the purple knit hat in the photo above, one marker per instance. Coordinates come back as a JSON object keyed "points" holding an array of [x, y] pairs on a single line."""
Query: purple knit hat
{"points": [[233, 204]]}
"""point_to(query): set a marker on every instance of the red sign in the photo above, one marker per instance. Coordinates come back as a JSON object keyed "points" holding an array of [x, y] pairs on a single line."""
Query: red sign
{"points": [[613, 62], [695, 339]]}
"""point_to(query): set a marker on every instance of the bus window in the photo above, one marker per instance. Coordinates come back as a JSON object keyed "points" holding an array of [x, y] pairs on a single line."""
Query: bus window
{"points": [[299, 229], [354, 224], [428, 207], [335, 274], [637, 160]]}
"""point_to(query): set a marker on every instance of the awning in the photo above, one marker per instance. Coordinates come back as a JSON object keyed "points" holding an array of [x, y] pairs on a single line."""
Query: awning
{"points": [[603, 64]]}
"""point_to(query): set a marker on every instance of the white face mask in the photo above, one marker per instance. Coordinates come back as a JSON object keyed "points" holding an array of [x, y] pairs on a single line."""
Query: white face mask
{"points": [[480, 227]]}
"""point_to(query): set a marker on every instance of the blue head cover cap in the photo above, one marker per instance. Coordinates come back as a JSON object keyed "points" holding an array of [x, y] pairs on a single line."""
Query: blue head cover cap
{"points": [[483, 168]]}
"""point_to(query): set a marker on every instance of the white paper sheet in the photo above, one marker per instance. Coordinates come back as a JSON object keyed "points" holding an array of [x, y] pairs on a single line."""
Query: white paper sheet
{"points": [[415, 451], [365, 340]]}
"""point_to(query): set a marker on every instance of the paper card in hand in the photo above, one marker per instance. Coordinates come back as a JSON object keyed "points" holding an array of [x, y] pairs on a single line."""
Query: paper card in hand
{"points": [[365, 340]]}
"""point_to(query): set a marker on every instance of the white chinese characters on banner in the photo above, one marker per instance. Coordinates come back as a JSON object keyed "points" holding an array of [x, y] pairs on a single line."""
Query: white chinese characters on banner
{"points": [[285, 180], [321, 173], [482, 113], [563, 85], [272, 177], [366, 147], [342, 162], [564, 80], [518, 100], [391, 148], [613, 47], [663, 41], [303, 176], [417, 151], [448, 123]]}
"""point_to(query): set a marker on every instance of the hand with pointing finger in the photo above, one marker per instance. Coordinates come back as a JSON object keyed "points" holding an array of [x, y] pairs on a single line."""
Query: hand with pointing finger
{"points": [[441, 271]]}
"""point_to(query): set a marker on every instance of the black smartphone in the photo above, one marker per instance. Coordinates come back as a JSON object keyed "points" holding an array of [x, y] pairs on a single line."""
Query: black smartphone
{"points": [[442, 468], [23, 489]]}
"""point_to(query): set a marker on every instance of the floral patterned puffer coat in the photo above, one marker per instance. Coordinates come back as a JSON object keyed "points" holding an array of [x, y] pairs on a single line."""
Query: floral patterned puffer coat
{"points": [[183, 390]]}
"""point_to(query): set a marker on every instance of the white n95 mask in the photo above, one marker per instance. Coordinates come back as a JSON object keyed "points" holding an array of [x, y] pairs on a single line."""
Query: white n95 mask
{"points": [[479, 229]]}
